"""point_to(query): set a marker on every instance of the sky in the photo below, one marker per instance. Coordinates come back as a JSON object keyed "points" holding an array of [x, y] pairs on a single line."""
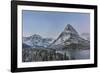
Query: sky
{"points": [[51, 24]]}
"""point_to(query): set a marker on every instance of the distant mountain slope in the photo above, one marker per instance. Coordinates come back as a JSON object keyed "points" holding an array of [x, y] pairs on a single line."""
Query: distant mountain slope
{"points": [[25, 46], [36, 41]]}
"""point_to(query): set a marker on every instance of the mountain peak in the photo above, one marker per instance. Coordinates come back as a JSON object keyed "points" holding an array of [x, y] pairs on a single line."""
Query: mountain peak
{"points": [[69, 33], [69, 29], [68, 37]]}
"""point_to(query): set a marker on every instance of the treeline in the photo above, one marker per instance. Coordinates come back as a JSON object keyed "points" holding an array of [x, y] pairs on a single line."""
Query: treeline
{"points": [[30, 55]]}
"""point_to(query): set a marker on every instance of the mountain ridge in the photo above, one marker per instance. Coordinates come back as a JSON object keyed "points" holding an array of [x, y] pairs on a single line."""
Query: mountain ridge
{"points": [[68, 37], [37, 41]]}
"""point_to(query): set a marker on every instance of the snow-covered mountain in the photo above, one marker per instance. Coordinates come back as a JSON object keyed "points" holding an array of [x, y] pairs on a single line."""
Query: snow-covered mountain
{"points": [[69, 38], [36, 41]]}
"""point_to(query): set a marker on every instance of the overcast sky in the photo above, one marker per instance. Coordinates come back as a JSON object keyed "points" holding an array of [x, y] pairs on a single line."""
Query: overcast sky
{"points": [[50, 24]]}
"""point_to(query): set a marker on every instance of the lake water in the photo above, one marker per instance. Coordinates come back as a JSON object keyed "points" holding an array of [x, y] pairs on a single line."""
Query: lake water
{"points": [[77, 54]]}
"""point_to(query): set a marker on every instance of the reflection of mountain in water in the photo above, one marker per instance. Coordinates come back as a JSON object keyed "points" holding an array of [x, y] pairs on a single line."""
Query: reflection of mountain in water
{"points": [[68, 42]]}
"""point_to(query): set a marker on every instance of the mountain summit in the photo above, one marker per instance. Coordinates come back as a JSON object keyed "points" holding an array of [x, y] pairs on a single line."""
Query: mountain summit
{"points": [[69, 29]]}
